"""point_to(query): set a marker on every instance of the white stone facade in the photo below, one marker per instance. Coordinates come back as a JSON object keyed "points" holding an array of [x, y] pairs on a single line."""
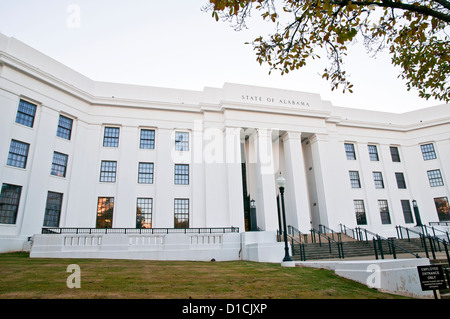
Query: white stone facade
{"points": [[202, 185]]}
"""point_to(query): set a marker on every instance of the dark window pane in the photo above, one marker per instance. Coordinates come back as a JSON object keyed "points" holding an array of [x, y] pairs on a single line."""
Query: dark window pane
{"points": [[145, 173], [428, 152], [9, 203], [442, 208], [181, 141], [64, 127], [144, 213], [108, 171], [181, 174], [53, 209], [111, 137], [26, 113], [350, 151], [360, 212], [181, 213], [105, 209], [59, 164], [18, 154], [147, 139]]}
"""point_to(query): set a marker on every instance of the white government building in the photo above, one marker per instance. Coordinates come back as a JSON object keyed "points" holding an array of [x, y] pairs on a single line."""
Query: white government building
{"points": [[89, 156]]}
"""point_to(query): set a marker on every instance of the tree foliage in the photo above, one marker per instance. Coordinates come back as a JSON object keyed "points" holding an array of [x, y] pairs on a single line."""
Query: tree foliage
{"points": [[415, 32]]}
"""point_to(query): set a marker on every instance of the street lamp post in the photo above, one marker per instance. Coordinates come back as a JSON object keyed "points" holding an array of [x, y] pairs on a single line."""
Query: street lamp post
{"points": [[253, 223], [416, 213], [281, 182]]}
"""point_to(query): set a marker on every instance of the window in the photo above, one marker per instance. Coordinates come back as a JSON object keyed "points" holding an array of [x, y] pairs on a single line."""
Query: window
{"points": [[401, 184], [145, 173], [105, 209], [442, 208], [108, 171], [354, 179], [144, 213], [59, 164], [147, 139], [181, 141], [435, 178], [384, 211], [378, 179], [182, 174], [25, 113], [18, 154], [9, 203], [350, 151], [395, 155], [428, 152], [53, 209], [407, 214], [111, 137], [64, 127], [181, 213], [373, 153], [360, 212]]}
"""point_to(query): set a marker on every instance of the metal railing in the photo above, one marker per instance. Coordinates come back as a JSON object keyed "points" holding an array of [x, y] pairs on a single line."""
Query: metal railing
{"points": [[434, 241], [84, 230], [323, 231], [362, 234]]}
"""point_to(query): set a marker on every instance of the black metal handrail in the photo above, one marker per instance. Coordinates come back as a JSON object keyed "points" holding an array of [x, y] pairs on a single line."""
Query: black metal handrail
{"points": [[294, 241], [363, 234], [434, 241], [294, 231], [425, 227], [329, 239], [439, 223], [85, 230]]}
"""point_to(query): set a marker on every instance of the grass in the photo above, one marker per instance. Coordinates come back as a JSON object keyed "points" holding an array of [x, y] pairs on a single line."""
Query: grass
{"points": [[34, 278]]}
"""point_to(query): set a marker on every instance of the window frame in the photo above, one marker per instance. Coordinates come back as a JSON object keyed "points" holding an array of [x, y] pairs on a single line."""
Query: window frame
{"points": [[181, 174], [400, 178], [435, 178], [56, 167], [383, 207], [146, 207], [106, 173], [64, 131], [360, 212], [395, 154], [181, 145], [373, 153], [109, 136], [145, 177], [355, 181], [181, 209], [407, 211], [23, 117], [145, 141], [11, 203], [13, 155], [105, 214], [443, 216], [378, 179], [350, 151], [52, 215], [428, 151]]}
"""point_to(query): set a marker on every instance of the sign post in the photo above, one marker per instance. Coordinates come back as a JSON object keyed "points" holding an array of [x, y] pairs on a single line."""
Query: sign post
{"points": [[432, 278]]}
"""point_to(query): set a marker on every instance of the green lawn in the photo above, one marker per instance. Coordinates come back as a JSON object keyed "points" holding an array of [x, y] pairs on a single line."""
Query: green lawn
{"points": [[24, 277]]}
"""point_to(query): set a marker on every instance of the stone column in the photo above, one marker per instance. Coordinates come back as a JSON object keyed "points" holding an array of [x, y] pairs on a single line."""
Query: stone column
{"points": [[296, 193], [266, 206]]}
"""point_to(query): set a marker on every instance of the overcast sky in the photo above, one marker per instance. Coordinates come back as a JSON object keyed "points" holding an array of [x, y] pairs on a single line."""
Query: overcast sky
{"points": [[172, 43]]}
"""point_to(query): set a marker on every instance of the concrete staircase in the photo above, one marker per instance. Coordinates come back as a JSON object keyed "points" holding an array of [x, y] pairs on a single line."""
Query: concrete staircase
{"points": [[358, 249], [354, 249]]}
